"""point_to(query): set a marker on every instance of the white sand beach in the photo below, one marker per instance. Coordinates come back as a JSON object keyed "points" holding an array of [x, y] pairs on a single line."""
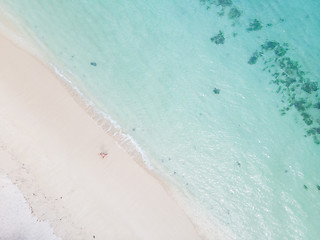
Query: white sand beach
{"points": [[49, 148]]}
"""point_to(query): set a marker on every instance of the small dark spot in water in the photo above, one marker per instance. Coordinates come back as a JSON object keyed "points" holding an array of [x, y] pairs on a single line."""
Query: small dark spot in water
{"points": [[316, 140], [317, 105], [254, 25], [310, 87], [169, 159], [174, 172], [307, 118], [234, 13], [269, 25], [224, 3], [218, 39], [305, 187], [313, 131], [280, 51], [286, 171], [234, 34], [318, 187], [133, 129], [281, 19], [299, 104], [216, 91], [254, 58], [221, 13], [269, 45], [239, 164], [93, 64]]}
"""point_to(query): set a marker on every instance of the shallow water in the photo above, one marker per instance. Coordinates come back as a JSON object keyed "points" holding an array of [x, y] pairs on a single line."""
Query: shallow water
{"points": [[205, 108]]}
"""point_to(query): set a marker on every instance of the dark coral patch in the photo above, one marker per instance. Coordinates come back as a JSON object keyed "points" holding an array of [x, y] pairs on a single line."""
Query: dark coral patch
{"points": [[313, 131], [254, 25], [216, 90], [288, 81], [269, 45], [299, 104], [309, 87], [317, 105], [307, 118], [218, 39], [224, 3], [254, 58], [316, 140], [280, 51], [234, 13]]}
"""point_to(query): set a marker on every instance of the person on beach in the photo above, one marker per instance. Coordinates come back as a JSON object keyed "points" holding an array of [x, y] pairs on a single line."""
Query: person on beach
{"points": [[102, 154]]}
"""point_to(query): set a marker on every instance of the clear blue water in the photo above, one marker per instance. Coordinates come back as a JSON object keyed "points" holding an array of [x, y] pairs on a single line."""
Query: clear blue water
{"points": [[232, 118]]}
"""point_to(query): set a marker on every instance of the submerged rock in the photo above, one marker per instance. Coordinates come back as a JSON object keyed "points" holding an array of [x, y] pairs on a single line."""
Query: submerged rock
{"points": [[216, 91], [221, 13], [269, 45], [280, 51], [224, 3], [255, 25], [317, 105], [292, 67], [305, 187], [318, 187], [234, 13], [307, 118], [299, 104], [313, 131], [254, 58], [316, 140], [310, 87], [288, 81], [218, 39], [93, 64]]}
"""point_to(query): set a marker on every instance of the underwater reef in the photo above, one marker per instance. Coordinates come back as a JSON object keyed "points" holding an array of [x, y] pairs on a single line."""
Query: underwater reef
{"points": [[297, 90], [254, 25], [218, 39]]}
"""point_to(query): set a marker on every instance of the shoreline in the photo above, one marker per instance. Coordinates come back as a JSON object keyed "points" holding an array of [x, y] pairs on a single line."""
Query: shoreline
{"points": [[45, 143], [16, 32]]}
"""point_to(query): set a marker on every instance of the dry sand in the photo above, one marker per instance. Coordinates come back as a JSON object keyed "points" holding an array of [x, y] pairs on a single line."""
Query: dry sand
{"points": [[49, 148]]}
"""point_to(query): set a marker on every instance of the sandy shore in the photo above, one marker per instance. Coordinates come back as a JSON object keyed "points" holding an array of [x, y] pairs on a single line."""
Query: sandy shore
{"points": [[16, 218], [49, 148]]}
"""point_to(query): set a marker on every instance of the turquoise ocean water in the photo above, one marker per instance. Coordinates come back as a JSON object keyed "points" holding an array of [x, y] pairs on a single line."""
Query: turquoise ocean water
{"points": [[222, 97]]}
